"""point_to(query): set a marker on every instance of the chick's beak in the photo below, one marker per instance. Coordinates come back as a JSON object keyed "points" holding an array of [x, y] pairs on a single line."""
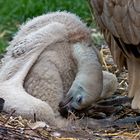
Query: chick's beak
{"points": [[65, 106]]}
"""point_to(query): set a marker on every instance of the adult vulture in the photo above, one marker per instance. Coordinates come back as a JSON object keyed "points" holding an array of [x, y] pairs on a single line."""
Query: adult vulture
{"points": [[119, 21]]}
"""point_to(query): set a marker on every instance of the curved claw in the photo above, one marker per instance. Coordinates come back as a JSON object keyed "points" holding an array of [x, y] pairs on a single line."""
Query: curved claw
{"points": [[115, 101], [108, 106], [108, 110], [128, 122]]}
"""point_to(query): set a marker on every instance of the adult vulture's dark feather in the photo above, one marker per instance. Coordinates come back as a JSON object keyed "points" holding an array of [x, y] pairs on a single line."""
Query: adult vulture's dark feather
{"points": [[119, 21]]}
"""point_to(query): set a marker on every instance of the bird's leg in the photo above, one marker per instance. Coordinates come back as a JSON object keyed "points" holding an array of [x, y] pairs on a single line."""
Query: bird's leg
{"points": [[134, 81]]}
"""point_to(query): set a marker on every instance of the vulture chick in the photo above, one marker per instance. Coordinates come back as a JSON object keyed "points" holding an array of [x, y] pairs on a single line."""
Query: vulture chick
{"points": [[119, 21], [50, 57]]}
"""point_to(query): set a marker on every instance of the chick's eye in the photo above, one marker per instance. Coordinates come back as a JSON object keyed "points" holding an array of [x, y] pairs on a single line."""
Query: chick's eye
{"points": [[79, 99]]}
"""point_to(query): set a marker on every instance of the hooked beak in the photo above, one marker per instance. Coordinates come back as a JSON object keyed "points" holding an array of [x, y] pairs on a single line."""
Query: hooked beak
{"points": [[66, 101], [65, 107]]}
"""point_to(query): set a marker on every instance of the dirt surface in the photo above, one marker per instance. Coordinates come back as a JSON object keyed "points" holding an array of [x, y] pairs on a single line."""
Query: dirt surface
{"points": [[117, 121]]}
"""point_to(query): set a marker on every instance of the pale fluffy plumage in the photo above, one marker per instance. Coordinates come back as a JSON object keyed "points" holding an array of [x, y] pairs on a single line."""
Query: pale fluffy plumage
{"points": [[48, 55]]}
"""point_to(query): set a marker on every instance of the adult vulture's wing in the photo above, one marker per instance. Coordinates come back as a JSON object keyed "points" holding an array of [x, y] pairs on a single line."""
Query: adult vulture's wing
{"points": [[119, 21]]}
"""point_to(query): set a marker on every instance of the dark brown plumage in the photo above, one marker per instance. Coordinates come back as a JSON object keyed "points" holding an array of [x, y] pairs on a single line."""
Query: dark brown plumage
{"points": [[119, 21]]}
